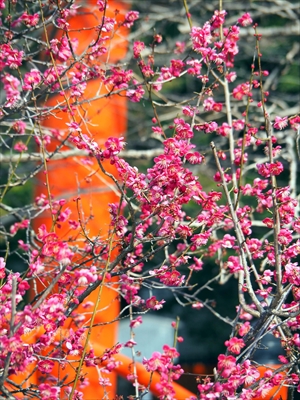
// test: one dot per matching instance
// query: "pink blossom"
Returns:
(267, 169)
(194, 158)
(224, 129)
(52, 75)
(61, 48)
(107, 24)
(115, 145)
(189, 111)
(172, 278)
(276, 168)
(180, 47)
(235, 345)
(19, 225)
(11, 87)
(136, 322)
(176, 67)
(207, 127)
(245, 20)
(233, 264)
(283, 359)
(19, 127)
(201, 37)
(228, 241)
(238, 124)
(85, 276)
(20, 146)
(119, 78)
(280, 123)
(48, 392)
(295, 123)
(130, 17)
(138, 47)
(154, 363)
(153, 304)
(296, 340)
(74, 224)
(195, 67)
(226, 365)
(130, 343)
(198, 305)
(292, 274)
(208, 104)
(230, 76)
(2, 268)
(199, 240)
(296, 225)
(31, 79)
(147, 71)
(158, 38)
(135, 95)
(29, 20)
(264, 293)
(285, 236)
(62, 23)
(244, 328)
(102, 4)
(183, 129)
(241, 90)
(10, 57)
(45, 366)
(218, 18)
(197, 266)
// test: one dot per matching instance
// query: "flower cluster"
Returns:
(190, 208)
(164, 364)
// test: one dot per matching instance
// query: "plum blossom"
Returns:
(10, 57)
(11, 87)
(245, 20)
(61, 48)
(153, 304)
(32, 79)
(235, 345)
(45, 366)
(136, 322)
(48, 392)
(241, 91)
(138, 47)
(194, 158)
(20, 146)
(201, 37)
(130, 17)
(280, 123)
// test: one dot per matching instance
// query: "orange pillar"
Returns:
(68, 178)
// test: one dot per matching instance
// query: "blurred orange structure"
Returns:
(70, 178)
